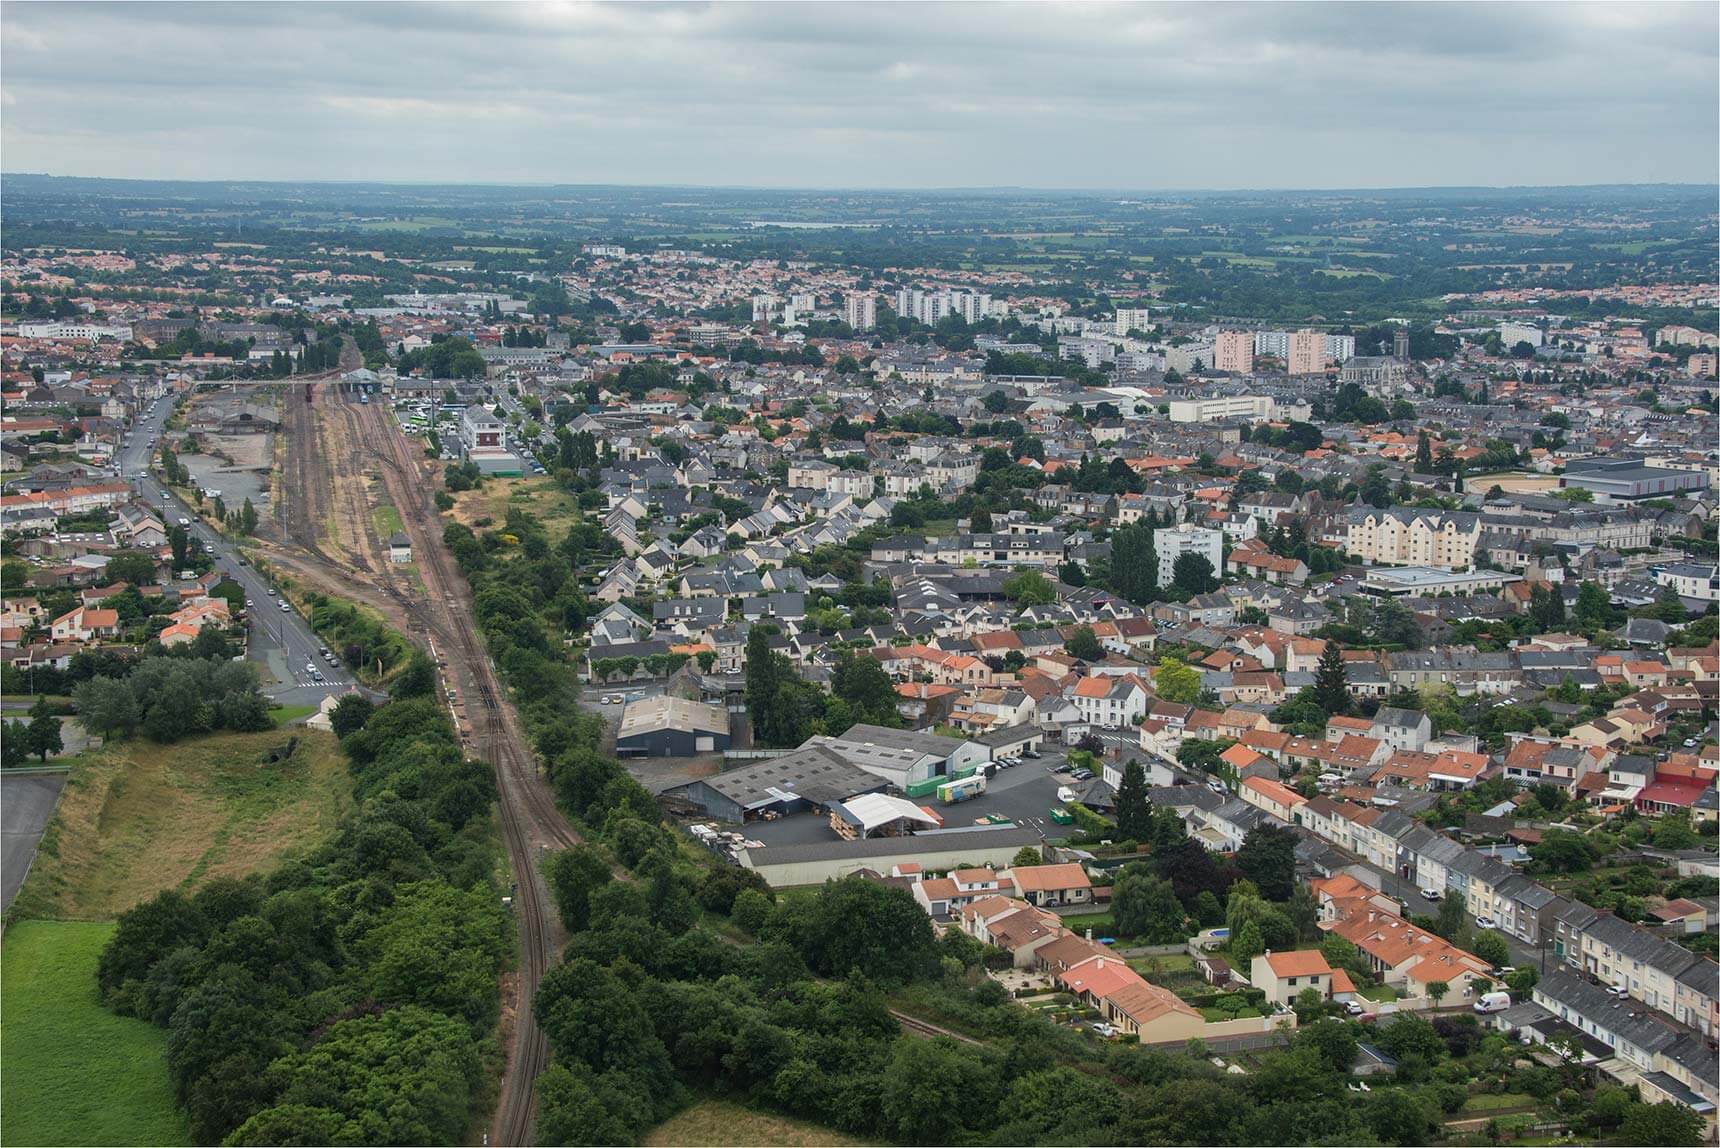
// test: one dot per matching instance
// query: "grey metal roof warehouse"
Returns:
(814, 774)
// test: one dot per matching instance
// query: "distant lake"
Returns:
(803, 225)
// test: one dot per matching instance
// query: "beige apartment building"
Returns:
(1233, 351)
(1403, 536)
(1307, 352)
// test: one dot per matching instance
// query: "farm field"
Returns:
(137, 818)
(75, 1072)
(721, 1123)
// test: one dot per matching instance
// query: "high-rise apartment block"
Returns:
(1307, 352)
(1132, 319)
(930, 306)
(1233, 351)
(860, 310)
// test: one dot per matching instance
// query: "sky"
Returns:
(905, 95)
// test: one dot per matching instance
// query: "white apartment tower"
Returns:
(860, 310)
(1172, 542)
(1132, 319)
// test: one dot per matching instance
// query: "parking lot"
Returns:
(1025, 794)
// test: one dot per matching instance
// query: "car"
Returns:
(1485, 923)
(271, 591)
(1034, 754)
(286, 609)
(249, 603)
(310, 667)
(1689, 743)
(1503, 971)
(1062, 767)
(1082, 775)
(1104, 1029)
(1354, 1008)
(1619, 991)
(316, 675)
(1431, 894)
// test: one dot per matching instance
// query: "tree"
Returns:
(107, 707)
(1491, 947)
(1332, 1039)
(1268, 858)
(1193, 573)
(350, 714)
(1436, 991)
(862, 683)
(1398, 1116)
(1449, 922)
(1146, 907)
(1084, 644)
(418, 679)
(859, 925)
(1562, 851)
(1661, 1124)
(1026, 857)
(1594, 609)
(44, 731)
(1423, 454)
(1331, 683)
(572, 875)
(247, 518)
(14, 744)
(1029, 588)
(127, 566)
(1176, 682)
(1134, 815)
(1134, 564)
(1246, 944)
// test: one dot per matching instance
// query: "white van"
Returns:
(1493, 1002)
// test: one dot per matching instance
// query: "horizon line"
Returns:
(901, 190)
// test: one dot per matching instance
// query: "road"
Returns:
(27, 801)
(1405, 890)
(281, 640)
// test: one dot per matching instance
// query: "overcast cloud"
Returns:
(867, 95)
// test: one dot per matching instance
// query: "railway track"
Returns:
(531, 823)
(914, 1026)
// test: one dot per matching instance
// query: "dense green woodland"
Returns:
(350, 997)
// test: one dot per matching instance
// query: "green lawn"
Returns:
(1379, 992)
(76, 1073)
(1494, 1101)
(284, 714)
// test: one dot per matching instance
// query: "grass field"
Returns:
(76, 1073)
(137, 818)
(722, 1123)
(551, 505)
(387, 521)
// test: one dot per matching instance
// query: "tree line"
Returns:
(349, 997)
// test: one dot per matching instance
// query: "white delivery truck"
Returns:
(1493, 1002)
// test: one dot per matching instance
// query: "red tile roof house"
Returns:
(1047, 886)
(1282, 976)
(82, 623)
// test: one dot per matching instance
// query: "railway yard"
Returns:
(344, 460)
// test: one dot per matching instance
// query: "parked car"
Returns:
(1104, 1029)
(1485, 923)
(1431, 894)
(1082, 774)
(1354, 1008)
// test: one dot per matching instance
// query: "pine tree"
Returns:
(1423, 454)
(1331, 683)
(1134, 815)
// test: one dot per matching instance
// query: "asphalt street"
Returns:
(1405, 890)
(281, 641)
(26, 802)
